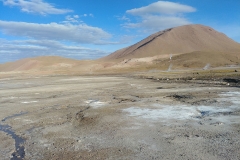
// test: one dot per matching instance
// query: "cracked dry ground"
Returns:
(117, 118)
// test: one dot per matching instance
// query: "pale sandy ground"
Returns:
(74, 117)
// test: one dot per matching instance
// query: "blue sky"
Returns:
(89, 29)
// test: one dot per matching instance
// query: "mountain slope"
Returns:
(179, 40)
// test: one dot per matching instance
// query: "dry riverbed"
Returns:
(73, 117)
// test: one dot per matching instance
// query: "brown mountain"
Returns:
(179, 40)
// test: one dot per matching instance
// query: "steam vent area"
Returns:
(174, 95)
(119, 117)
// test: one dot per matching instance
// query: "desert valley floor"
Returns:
(118, 117)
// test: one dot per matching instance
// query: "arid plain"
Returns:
(119, 117)
(140, 102)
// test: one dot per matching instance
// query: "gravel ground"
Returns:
(74, 117)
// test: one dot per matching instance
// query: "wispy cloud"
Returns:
(72, 19)
(16, 49)
(76, 18)
(157, 16)
(35, 6)
(79, 33)
(66, 39)
(123, 18)
(163, 7)
(62, 39)
(154, 23)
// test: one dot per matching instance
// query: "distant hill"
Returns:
(50, 65)
(37, 63)
(184, 47)
(179, 40)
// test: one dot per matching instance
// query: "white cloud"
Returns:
(158, 16)
(80, 33)
(35, 6)
(164, 7)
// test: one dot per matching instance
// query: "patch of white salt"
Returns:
(164, 113)
(29, 102)
(233, 97)
(182, 112)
